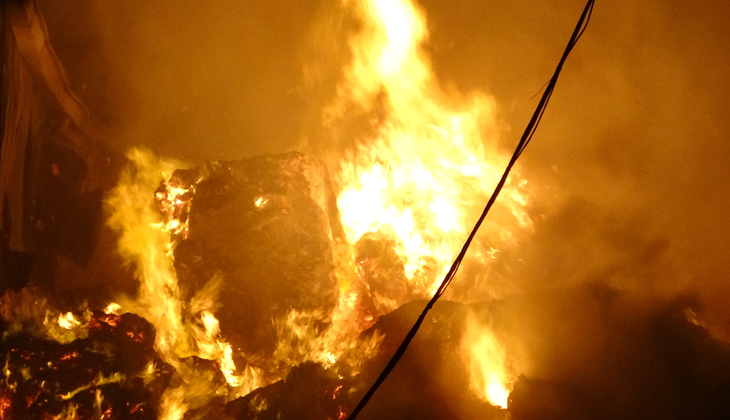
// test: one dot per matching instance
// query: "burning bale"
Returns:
(430, 383)
(268, 225)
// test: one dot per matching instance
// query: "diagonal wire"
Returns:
(524, 141)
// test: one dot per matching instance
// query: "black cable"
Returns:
(524, 141)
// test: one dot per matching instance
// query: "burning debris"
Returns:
(269, 225)
(113, 372)
(432, 383)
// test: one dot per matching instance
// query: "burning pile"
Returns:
(265, 295)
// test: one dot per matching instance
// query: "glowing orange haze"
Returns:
(427, 172)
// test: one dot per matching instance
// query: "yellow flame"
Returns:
(145, 242)
(142, 243)
(301, 341)
(430, 168)
(65, 327)
(68, 321)
(490, 378)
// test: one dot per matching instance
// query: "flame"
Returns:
(261, 202)
(113, 308)
(145, 242)
(420, 180)
(301, 340)
(68, 321)
(490, 378)
(433, 162)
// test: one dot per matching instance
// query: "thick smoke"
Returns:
(629, 168)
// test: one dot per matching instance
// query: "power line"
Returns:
(524, 141)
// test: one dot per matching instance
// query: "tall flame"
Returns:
(430, 167)
(490, 378)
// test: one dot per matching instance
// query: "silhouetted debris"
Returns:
(381, 269)
(308, 392)
(661, 365)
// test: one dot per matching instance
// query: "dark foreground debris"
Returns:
(101, 376)
(430, 383)
(657, 365)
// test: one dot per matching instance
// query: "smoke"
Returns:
(193, 80)
(629, 168)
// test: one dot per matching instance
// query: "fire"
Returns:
(486, 359)
(184, 329)
(433, 162)
(300, 340)
(145, 242)
(420, 182)
(68, 321)
(112, 308)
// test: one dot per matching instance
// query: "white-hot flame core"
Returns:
(112, 308)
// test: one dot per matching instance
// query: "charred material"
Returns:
(381, 269)
(100, 376)
(268, 225)
(309, 392)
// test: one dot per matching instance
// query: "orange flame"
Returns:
(424, 176)
(145, 242)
